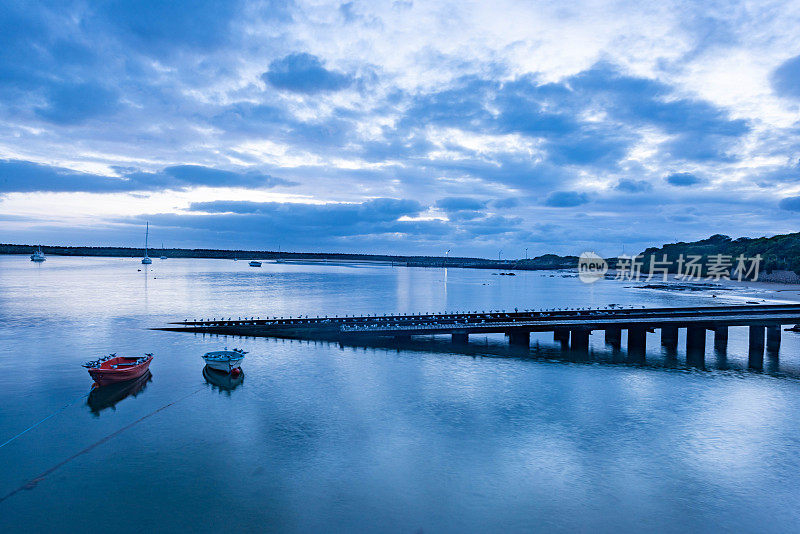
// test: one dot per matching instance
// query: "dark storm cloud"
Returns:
(381, 219)
(75, 103)
(554, 113)
(786, 78)
(627, 185)
(375, 210)
(303, 222)
(185, 82)
(305, 73)
(162, 26)
(451, 204)
(505, 203)
(683, 179)
(566, 199)
(24, 176)
(790, 203)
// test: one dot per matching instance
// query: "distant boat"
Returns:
(255, 263)
(113, 368)
(228, 361)
(146, 260)
(162, 252)
(38, 255)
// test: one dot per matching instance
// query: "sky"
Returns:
(483, 128)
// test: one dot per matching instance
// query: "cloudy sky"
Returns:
(399, 127)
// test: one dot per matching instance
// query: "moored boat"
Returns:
(255, 263)
(38, 255)
(146, 260)
(226, 360)
(112, 368)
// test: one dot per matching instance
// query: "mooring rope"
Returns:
(33, 482)
(45, 419)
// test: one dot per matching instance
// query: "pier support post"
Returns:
(580, 339)
(721, 338)
(519, 338)
(773, 338)
(614, 336)
(696, 346)
(669, 336)
(637, 343)
(756, 350)
(562, 335)
(460, 338)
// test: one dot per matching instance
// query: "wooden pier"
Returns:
(571, 327)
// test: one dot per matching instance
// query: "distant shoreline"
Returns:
(546, 262)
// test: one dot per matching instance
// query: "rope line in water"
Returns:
(33, 482)
(45, 419)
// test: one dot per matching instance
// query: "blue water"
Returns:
(320, 437)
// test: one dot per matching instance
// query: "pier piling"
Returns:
(637, 343)
(669, 336)
(696, 346)
(562, 335)
(580, 339)
(460, 338)
(773, 338)
(519, 338)
(614, 337)
(721, 338)
(756, 347)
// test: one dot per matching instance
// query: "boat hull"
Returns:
(224, 366)
(223, 360)
(107, 374)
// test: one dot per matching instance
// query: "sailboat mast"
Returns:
(146, 235)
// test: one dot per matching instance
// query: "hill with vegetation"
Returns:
(778, 253)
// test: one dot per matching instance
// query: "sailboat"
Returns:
(38, 255)
(146, 260)
(162, 252)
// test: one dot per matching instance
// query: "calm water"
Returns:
(321, 438)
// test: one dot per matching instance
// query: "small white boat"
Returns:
(224, 360)
(255, 263)
(38, 255)
(146, 260)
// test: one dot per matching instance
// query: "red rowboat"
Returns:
(113, 368)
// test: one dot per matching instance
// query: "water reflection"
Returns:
(222, 381)
(103, 397)
(663, 357)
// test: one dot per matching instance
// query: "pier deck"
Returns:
(711, 317)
